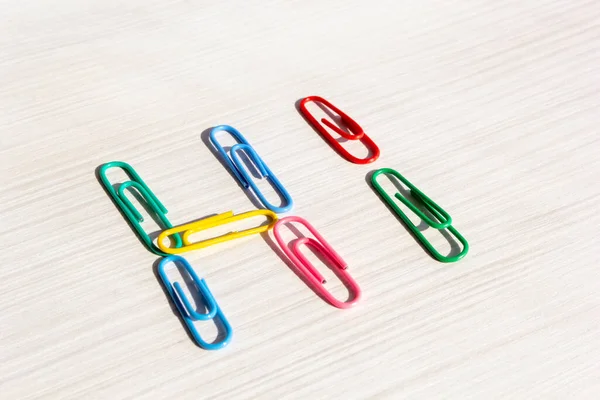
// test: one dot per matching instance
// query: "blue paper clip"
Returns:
(187, 311)
(237, 166)
(127, 207)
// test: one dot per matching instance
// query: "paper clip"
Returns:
(356, 132)
(313, 276)
(211, 222)
(127, 207)
(243, 176)
(187, 311)
(444, 221)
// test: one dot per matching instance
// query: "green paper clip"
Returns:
(128, 209)
(444, 221)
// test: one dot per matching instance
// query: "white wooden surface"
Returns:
(491, 108)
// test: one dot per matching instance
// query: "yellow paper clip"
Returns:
(211, 222)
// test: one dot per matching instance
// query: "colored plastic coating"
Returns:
(211, 222)
(187, 311)
(239, 170)
(444, 221)
(127, 207)
(313, 276)
(356, 132)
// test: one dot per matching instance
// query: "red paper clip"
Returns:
(313, 276)
(356, 132)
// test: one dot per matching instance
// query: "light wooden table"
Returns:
(489, 107)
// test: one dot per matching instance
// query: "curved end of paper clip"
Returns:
(253, 155)
(160, 243)
(445, 220)
(230, 163)
(226, 128)
(227, 334)
(376, 153)
(269, 214)
(353, 288)
(356, 296)
(115, 164)
(211, 305)
(451, 259)
(279, 210)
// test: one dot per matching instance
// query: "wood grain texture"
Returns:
(491, 108)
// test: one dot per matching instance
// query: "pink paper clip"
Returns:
(313, 276)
